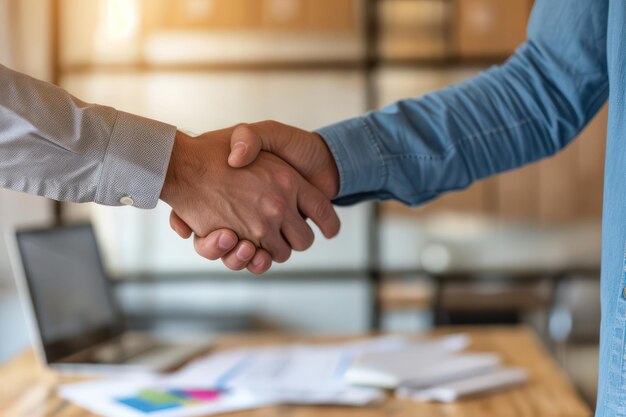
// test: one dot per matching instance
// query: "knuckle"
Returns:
(323, 210)
(285, 179)
(233, 264)
(276, 208)
(259, 269)
(269, 123)
(242, 130)
(259, 231)
(204, 251)
(241, 125)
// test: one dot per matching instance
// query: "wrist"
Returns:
(330, 172)
(173, 177)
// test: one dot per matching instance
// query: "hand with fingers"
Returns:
(247, 215)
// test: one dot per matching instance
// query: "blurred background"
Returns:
(520, 248)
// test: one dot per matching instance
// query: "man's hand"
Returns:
(305, 151)
(262, 203)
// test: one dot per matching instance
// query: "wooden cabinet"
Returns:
(200, 14)
(489, 27)
(272, 15)
(435, 29)
(334, 16)
(570, 185)
(283, 14)
(412, 29)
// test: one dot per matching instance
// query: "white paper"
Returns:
(102, 397)
(251, 378)
(303, 374)
(496, 380)
(420, 364)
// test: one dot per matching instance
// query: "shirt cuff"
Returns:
(358, 154)
(135, 162)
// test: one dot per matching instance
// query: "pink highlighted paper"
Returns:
(203, 395)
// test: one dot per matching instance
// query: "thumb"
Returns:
(245, 145)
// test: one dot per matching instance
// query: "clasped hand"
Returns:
(248, 207)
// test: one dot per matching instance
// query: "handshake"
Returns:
(245, 192)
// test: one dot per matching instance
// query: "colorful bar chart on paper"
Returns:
(152, 400)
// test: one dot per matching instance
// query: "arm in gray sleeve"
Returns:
(54, 145)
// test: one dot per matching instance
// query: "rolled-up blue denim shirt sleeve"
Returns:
(528, 108)
(416, 149)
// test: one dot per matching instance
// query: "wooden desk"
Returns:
(27, 390)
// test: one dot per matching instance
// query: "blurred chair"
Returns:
(464, 298)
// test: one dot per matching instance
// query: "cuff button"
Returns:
(127, 200)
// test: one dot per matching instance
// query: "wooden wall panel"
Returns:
(516, 194)
(591, 151)
(471, 200)
(214, 14)
(310, 15)
(571, 182)
(284, 14)
(558, 185)
(275, 15)
(333, 15)
(490, 27)
(413, 29)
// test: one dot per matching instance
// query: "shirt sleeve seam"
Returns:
(488, 133)
(460, 141)
(421, 157)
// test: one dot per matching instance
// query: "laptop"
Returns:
(76, 322)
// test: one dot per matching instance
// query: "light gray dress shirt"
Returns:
(54, 145)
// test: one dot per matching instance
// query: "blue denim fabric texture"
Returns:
(526, 109)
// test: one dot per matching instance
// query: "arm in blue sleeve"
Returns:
(524, 110)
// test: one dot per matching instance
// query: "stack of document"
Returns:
(301, 374)
(237, 380)
(353, 374)
(435, 371)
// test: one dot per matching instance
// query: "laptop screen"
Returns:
(69, 289)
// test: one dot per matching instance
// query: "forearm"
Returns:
(54, 145)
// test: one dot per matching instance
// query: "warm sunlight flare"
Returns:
(120, 19)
